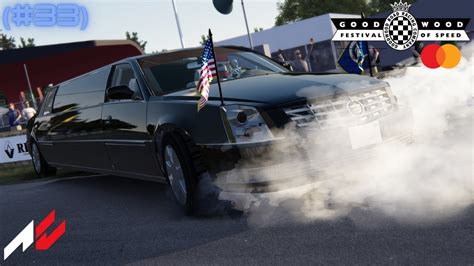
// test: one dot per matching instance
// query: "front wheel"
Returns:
(41, 167)
(180, 172)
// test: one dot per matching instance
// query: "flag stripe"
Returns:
(207, 73)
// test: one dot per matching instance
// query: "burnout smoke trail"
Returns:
(429, 180)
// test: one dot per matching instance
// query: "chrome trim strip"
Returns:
(104, 140)
(100, 170)
(331, 104)
(241, 144)
(125, 144)
(371, 95)
(299, 117)
(377, 102)
(123, 101)
(371, 111)
(48, 143)
(324, 114)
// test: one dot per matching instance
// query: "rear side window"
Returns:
(95, 81)
(85, 91)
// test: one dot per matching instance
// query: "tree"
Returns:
(378, 6)
(134, 37)
(30, 42)
(7, 42)
(293, 10)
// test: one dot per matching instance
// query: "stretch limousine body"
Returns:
(138, 118)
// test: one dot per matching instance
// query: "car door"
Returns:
(128, 144)
(75, 127)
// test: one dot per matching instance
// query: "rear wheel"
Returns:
(180, 172)
(41, 167)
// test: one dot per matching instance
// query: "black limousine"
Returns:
(138, 118)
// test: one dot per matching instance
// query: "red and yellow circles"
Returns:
(434, 56)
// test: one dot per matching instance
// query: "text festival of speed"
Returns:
(371, 24)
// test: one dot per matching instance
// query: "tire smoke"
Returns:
(430, 180)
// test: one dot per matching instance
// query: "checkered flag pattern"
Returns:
(400, 30)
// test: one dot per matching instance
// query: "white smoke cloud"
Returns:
(429, 180)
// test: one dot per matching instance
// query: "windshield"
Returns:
(170, 72)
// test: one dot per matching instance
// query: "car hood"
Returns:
(285, 88)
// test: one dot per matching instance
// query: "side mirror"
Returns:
(121, 92)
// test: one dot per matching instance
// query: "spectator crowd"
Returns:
(17, 118)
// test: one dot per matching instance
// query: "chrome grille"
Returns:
(335, 112)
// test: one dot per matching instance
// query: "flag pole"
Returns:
(368, 50)
(217, 68)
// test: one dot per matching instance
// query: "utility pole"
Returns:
(247, 25)
(181, 38)
(29, 86)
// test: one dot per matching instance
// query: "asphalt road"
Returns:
(113, 220)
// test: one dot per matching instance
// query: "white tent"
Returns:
(293, 34)
(297, 35)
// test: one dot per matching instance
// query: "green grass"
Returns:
(16, 173)
(23, 172)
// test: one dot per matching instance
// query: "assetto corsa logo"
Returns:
(446, 56)
(43, 241)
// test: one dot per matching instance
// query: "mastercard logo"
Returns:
(434, 56)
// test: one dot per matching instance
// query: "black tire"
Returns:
(41, 167)
(187, 165)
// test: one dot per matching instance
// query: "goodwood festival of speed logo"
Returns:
(400, 30)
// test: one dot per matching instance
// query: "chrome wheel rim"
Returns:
(175, 175)
(36, 158)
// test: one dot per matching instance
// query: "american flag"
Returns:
(207, 73)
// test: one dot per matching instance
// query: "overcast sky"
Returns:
(153, 20)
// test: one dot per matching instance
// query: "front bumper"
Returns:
(244, 172)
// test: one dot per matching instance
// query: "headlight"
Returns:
(246, 125)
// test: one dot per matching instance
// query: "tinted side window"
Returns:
(82, 92)
(47, 106)
(95, 81)
(123, 75)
